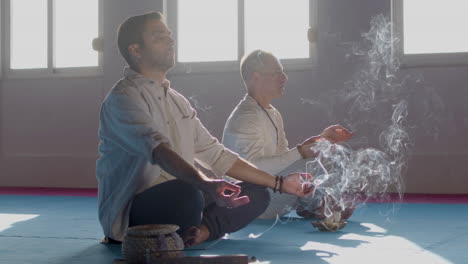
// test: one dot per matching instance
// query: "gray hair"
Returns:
(253, 62)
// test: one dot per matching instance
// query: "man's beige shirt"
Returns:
(136, 116)
(258, 136)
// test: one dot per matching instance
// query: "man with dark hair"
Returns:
(150, 138)
(255, 130)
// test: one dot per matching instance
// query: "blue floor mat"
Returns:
(62, 229)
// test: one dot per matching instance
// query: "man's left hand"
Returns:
(227, 194)
(336, 133)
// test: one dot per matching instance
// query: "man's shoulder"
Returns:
(245, 112)
(177, 95)
(246, 107)
(123, 88)
(124, 85)
(179, 98)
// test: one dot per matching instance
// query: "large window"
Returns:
(51, 37)
(431, 32)
(214, 34)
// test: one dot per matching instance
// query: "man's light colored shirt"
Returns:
(136, 116)
(257, 134)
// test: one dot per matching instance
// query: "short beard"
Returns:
(163, 65)
(163, 68)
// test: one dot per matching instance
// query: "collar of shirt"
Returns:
(252, 101)
(140, 80)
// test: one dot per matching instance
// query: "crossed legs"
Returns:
(197, 215)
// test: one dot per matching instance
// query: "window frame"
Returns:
(419, 60)
(50, 71)
(170, 9)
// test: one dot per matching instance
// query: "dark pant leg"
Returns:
(221, 220)
(171, 202)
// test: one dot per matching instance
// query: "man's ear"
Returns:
(134, 50)
(255, 76)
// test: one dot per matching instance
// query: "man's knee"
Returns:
(187, 206)
(172, 202)
(188, 193)
(259, 197)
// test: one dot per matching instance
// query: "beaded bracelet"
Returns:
(278, 184)
(280, 189)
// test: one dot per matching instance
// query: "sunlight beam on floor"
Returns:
(7, 220)
(363, 249)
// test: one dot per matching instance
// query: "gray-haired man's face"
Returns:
(271, 77)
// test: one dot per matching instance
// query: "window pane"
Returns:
(76, 25)
(28, 32)
(434, 26)
(277, 26)
(207, 30)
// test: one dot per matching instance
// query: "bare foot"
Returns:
(347, 213)
(317, 213)
(332, 223)
(329, 226)
(308, 214)
(193, 236)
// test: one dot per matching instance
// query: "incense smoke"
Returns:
(373, 96)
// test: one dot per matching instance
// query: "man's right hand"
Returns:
(226, 194)
(305, 148)
(299, 184)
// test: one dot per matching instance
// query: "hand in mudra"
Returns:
(226, 194)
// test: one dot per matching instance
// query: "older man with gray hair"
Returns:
(255, 130)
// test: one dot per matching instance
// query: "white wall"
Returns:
(48, 127)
